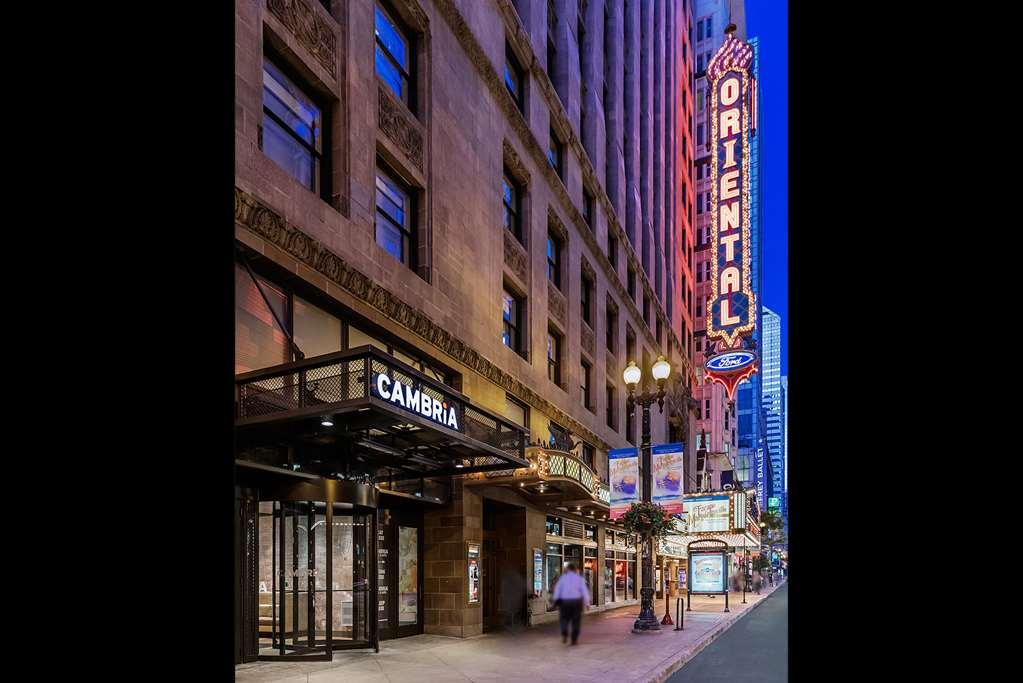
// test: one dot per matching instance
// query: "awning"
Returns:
(366, 405)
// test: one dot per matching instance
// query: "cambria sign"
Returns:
(732, 306)
(444, 411)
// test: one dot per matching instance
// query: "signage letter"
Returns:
(730, 90)
(381, 381)
(729, 242)
(730, 185)
(726, 316)
(729, 216)
(729, 122)
(729, 153)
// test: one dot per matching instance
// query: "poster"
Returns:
(707, 513)
(681, 578)
(473, 556)
(537, 571)
(666, 462)
(624, 475)
(408, 575)
(709, 573)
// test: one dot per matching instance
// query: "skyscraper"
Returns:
(774, 399)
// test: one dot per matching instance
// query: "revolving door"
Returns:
(314, 583)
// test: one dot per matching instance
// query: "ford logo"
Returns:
(731, 361)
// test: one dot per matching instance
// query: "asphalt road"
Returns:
(754, 649)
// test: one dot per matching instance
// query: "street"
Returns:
(755, 649)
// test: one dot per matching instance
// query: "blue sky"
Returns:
(768, 20)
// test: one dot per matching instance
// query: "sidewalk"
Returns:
(607, 650)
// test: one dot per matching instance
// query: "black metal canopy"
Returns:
(365, 409)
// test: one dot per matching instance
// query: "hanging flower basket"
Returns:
(649, 520)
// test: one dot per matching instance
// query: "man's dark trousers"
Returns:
(571, 611)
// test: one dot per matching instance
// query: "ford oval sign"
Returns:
(732, 361)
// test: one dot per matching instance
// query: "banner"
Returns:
(666, 462)
(624, 475)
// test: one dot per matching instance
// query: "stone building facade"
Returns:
(584, 108)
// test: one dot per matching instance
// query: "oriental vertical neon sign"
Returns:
(731, 307)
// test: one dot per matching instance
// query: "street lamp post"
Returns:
(647, 621)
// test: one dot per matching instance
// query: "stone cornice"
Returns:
(267, 223)
(517, 34)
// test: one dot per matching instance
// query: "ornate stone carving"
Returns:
(555, 223)
(515, 256)
(310, 29)
(588, 270)
(555, 302)
(514, 163)
(399, 125)
(587, 339)
(262, 220)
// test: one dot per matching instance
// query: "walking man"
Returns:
(571, 595)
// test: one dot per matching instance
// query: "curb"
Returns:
(687, 655)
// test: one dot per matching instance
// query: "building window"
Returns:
(516, 411)
(612, 249)
(393, 56)
(706, 407)
(394, 219)
(631, 283)
(588, 457)
(699, 30)
(630, 344)
(646, 309)
(699, 272)
(552, 26)
(699, 64)
(611, 326)
(554, 356)
(556, 153)
(588, 207)
(699, 100)
(511, 195)
(612, 402)
(514, 79)
(512, 316)
(292, 131)
(584, 385)
(699, 205)
(260, 341)
(699, 134)
(660, 331)
(710, 31)
(586, 299)
(554, 259)
(699, 310)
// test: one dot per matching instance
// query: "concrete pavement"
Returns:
(607, 650)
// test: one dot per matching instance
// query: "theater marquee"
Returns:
(732, 306)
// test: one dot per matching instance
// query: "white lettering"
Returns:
(729, 281)
(729, 90)
(412, 398)
(730, 152)
(729, 242)
(728, 216)
(437, 409)
(398, 396)
(729, 185)
(452, 420)
(728, 123)
(382, 381)
(726, 313)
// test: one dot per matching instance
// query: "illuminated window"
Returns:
(511, 196)
(511, 321)
(554, 356)
(395, 217)
(556, 153)
(393, 55)
(554, 259)
(514, 79)
(292, 130)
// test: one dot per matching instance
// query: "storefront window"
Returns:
(316, 331)
(590, 531)
(591, 572)
(408, 575)
(259, 341)
(633, 583)
(620, 579)
(609, 576)
(554, 554)
(554, 526)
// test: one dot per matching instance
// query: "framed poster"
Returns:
(623, 464)
(537, 571)
(666, 467)
(472, 552)
(681, 578)
(710, 572)
(708, 513)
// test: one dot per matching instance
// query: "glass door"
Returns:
(313, 589)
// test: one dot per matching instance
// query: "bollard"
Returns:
(678, 613)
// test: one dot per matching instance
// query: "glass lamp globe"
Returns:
(661, 369)
(632, 374)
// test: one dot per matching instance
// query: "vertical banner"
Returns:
(624, 466)
(666, 470)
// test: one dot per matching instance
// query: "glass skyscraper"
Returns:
(773, 399)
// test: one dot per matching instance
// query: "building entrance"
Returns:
(503, 565)
(313, 578)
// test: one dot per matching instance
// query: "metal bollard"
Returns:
(678, 613)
